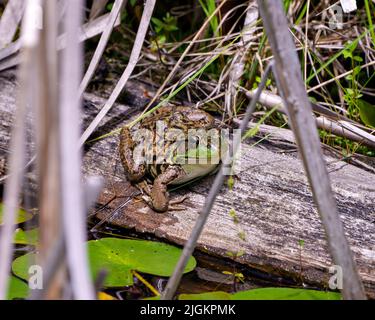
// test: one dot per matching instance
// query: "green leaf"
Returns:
(352, 45)
(356, 71)
(22, 215)
(367, 113)
(209, 7)
(313, 99)
(265, 294)
(350, 91)
(157, 22)
(347, 54)
(285, 294)
(230, 182)
(26, 237)
(119, 257)
(17, 289)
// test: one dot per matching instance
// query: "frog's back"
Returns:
(182, 117)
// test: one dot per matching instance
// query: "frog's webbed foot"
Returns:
(159, 193)
(145, 192)
(172, 204)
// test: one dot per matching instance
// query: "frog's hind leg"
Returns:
(134, 171)
(159, 193)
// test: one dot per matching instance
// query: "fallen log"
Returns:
(259, 223)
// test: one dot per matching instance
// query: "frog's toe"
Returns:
(176, 208)
(178, 200)
(173, 204)
(147, 199)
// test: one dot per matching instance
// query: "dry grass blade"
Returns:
(10, 20)
(10, 62)
(47, 131)
(72, 195)
(183, 55)
(12, 48)
(9, 57)
(137, 47)
(97, 8)
(238, 63)
(17, 156)
(340, 128)
(113, 16)
(333, 79)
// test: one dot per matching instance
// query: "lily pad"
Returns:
(265, 294)
(17, 289)
(26, 237)
(285, 294)
(22, 215)
(119, 257)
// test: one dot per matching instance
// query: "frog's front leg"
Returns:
(159, 193)
(134, 171)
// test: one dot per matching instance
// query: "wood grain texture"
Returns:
(271, 197)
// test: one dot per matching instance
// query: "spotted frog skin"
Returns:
(164, 173)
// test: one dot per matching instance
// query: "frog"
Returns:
(178, 160)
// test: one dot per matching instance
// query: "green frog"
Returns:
(180, 144)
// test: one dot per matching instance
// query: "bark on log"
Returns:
(271, 198)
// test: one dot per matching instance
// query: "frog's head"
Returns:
(197, 162)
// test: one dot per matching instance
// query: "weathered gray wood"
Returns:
(271, 197)
(275, 210)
